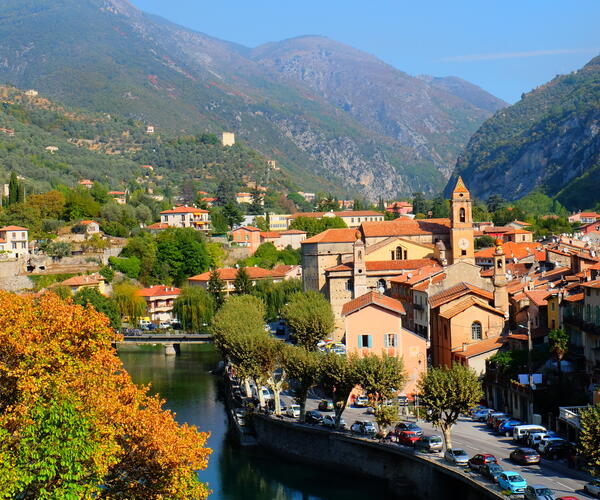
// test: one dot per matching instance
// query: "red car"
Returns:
(409, 438)
(478, 461)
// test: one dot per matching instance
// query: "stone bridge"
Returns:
(171, 341)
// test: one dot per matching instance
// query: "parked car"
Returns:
(266, 393)
(329, 421)
(408, 438)
(559, 449)
(481, 415)
(490, 418)
(593, 488)
(567, 498)
(361, 401)
(545, 441)
(165, 325)
(429, 444)
(364, 428)
(512, 481)
(478, 461)
(539, 492)
(534, 438)
(497, 420)
(507, 426)
(491, 471)
(525, 456)
(408, 426)
(325, 405)
(293, 411)
(313, 417)
(456, 456)
(521, 432)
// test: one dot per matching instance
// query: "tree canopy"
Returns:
(310, 317)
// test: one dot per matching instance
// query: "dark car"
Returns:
(325, 405)
(558, 449)
(313, 417)
(491, 471)
(430, 444)
(478, 461)
(408, 426)
(525, 456)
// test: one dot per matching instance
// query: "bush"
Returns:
(58, 249)
(115, 229)
(108, 273)
(130, 266)
(79, 228)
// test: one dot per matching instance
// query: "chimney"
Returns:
(464, 347)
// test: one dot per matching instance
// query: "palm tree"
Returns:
(559, 345)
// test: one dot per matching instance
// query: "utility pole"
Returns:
(529, 373)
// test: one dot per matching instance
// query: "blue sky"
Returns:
(507, 47)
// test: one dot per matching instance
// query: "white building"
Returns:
(14, 242)
(186, 217)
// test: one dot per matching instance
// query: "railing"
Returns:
(570, 415)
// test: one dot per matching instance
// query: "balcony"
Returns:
(570, 415)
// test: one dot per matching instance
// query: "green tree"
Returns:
(129, 266)
(129, 302)
(495, 202)
(232, 213)
(261, 223)
(194, 308)
(589, 437)
(242, 283)
(485, 241)
(256, 207)
(276, 295)
(420, 205)
(382, 377)
(304, 370)
(310, 318)
(105, 305)
(13, 189)
(216, 288)
(314, 226)
(339, 376)
(558, 341)
(58, 249)
(440, 207)
(445, 393)
(218, 221)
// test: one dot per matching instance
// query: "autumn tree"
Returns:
(194, 308)
(382, 377)
(339, 375)
(445, 393)
(310, 317)
(589, 437)
(72, 422)
(304, 370)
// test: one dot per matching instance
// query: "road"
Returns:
(475, 438)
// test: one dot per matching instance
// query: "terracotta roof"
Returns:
(345, 235)
(591, 284)
(252, 229)
(456, 292)
(460, 186)
(511, 250)
(521, 223)
(91, 279)
(283, 269)
(372, 298)
(85, 182)
(421, 287)
(481, 347)
(86, 222)
(158, 225)
(293, 231)
(405, 227)
(465, 304)
(270, 234)
(229, 274)
(117, 192)
(13, 228)
(575, 297)
(184, 210)
(387, 265)
(538, 297)
(158, 291)
(420, 274)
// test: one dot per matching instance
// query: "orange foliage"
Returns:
(50, 346)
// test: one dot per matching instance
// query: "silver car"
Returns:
(539, 492)
(456, 456)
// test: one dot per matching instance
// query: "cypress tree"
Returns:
(13, 189)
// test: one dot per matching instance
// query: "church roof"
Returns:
(456, 292)
(460, 186)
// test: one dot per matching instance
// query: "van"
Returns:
(521, 432)
(266, 394)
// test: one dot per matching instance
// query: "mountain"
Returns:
(365, 128)
(549, 140)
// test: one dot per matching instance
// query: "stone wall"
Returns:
(406, 473)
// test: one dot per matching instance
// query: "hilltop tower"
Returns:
(461, 224)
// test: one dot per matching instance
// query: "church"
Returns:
(426, 264)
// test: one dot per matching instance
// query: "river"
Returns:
(235, 473)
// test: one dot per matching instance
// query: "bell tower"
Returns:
(359, 271)
(499, 279)
(461, 224)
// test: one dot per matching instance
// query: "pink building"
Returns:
(399, 208)
(373, 324)
(159, 301)
(247, 236)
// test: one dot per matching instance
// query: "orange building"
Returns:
(247, 236)
(373, 324)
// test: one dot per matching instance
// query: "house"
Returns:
(288, 272)
(86, 183)
(310, 197)
(270, 237)
(518, 224)
(150, 129)
(119, 196)
(77, 283)
(228, 275)
(590, 227)
(292, 238)
(51, 149)
(247, 237)
(196, 218)
(523, 252)
(148, 168)
(352, 218)
(227, 139)
(584, 217)
(91, 226)
(14, 242)
(157, 227)
(159, 301)
(399, 208)
(209, 200)
(373, 325)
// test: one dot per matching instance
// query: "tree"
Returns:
(485, 241)
(13, 189)
(218, 221)
(339, 376)
(73, 424)
(130, 266)
(232, 214)
(216, 288)
(256, 207)
(382, 377)
(261, 223)
(380, 205)
(304, 370)
(310, 318)
(225, 193)
(420, 205)
(559, 345)
(129, 302)
(276, 295)
(440, 207)
(314, 226)
(242, 283)
(495, 202)
(58, 249)
(194, 308)
(445, 393)
(589, 437)
(105, 305)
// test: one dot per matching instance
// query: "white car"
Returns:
(456, 456)
(361, 401)
(164, 325)
(329, 421)
(293, 411)
(593, 488)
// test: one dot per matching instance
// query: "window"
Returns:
(553, 324)
(349, 286)
(381, 286)
(23, 244)
(390, 340)
(398, 253)
(499, 264)
(463, 252)
(462, 215)
(553, 305)
(14, 245)
(476, 330)
(364, 341)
